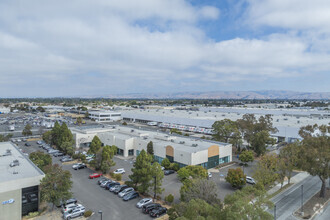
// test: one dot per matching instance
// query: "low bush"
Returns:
(88, 213)
(118, 177)
(169, 199)
(32, 214)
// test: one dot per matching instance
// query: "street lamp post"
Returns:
(100, 212)
(275, 212)
(155, 187)
(302, 200)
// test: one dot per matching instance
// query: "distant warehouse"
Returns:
(19, 183)
(104, 116)
(182, 150)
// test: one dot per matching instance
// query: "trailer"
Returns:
(152, 123)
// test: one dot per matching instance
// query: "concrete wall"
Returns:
(199, 157)
(226, 151)
(11, 211)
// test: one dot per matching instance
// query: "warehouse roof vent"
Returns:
(181, 142)
(172, 140)
(194, 145)
(8, 153)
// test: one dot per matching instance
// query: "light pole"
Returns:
(100, 212)
(302, 200)
(155, 187)
(275, 212)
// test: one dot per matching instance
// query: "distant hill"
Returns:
(268, 94)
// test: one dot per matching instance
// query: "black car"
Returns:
(120, 189)
(27, 144)
(168, 172)
(131, 195)
(111, 184)
(79, 166)
(101, 180)
(147, 208)
(158, 212)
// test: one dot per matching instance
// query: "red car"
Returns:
(95, 175)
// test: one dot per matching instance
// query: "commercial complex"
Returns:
(105, 116)
(179, 149)
(19, 183)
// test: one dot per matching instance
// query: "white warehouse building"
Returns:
(105, 116)
(182, 150)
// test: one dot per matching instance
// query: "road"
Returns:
(289, 201)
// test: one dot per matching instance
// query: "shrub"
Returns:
(117, 177)
(112, 174)
(88, 213)
(124, 123)
(169, 199)
(175, 166)
(76, 156)
(32, 214)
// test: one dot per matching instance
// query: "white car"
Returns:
(78, 211)
(144, 201)
(125, 191)
(250, 180)
(119, 171)
(209, 175)
(68, 207)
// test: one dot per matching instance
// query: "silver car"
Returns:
(76, 212)
(144, 201)
(125, 191)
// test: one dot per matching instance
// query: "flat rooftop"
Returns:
(26, 168)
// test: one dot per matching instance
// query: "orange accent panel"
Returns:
(170, 151)
(213, 151)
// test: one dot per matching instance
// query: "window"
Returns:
(130, 152)
(158, 159)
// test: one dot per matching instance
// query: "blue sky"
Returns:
(84, 47)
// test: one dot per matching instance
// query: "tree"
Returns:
(166, 163)
(107, 154)
(65, 135)
(236, 177)
(169, 199)
(79, 121)
(5, 138)
(246, 156)
(201, 189)
(67, 148)
(246, 125)
(247, 203)
(56, 134)
(141, 172)
(95, 145)
(27, 130)
(226, 130)
(259, 142)
(266, 171)
(289, 155)
(150, 148)
(157, 179)
(41, 160)
(192, 171)
(47, 137)
(40, 109)
(315, 158)
(56, 185)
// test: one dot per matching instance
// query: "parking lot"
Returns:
(92, 196)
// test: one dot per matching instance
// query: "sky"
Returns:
(102, 47)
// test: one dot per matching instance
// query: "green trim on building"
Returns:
(213, 161)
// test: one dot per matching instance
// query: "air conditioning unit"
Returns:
(181, 142)
(132, 130)
(172, 140)
(194, 145)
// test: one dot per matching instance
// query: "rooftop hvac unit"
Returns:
(132, 130)
(8, 153)
(145, 137)
(172, 140)
(181, 142)
(194, 145)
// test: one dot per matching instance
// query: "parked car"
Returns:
(131, 195)
(101, 180)
(143, 202)
(39, 142)
(147, 208)
(66, 159)
(79, 166)
(155, 213)
(104, 183)
(78, 211)
(14, 163)
(53, 151)
(123, 187)
(168, 172)
(71, 207)
(113, 188)
(209, 175)
(58, 154)
(119, 171)
(111, 184)
(27, 144)
(250, 180)
(69, 201)
(125, 191)
(68, 207)
(95, 175)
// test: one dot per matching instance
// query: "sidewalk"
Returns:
(296, 179)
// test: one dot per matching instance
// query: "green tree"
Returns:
(192, 172)
(266, 170)
(67, 148)
(236, 177)
(150, 148)
(169, 199)
(141, 172)
(107, 154)
(40, 109)
(79, 121)
(247, 203)
(27, 130)
(315, 158)
(56, 185)
(166, 163)
(226, 130)
(5, 138)
(246, 126)
(157, 179)
(65, 135)
(259, 142)
(56, 134)
(95, 145)
(41, 159)
(201, 189)
(246, 156)
(47, 137)
(289, 155)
